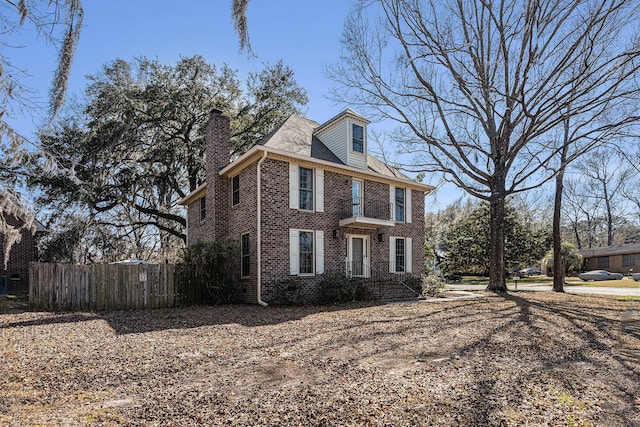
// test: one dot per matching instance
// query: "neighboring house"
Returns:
(20, 255)
(305, 200)
(617, 258)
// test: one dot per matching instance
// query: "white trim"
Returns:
(318, 247)
(408, 249)
(407, 205)
(294, 182)
(392, 254)
(319, 190)
(294, 248)
(366, 253)
(259, 230)
(392, 201)
(326, 165)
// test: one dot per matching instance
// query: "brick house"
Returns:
(617, 258)
(20, 255)
(305, 200)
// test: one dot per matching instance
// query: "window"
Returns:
(244, 243)
(358, 138)
(603, 262)
(235, 190)
(400, 256)
(306, 252)
(629, 260)
(203, 208)
(399, 205)
(306, 189)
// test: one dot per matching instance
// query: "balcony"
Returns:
(359, 212)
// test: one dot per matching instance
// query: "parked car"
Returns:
(636, 277)
(132, 261)
(530, 272)
(452, 277)
(599, 275)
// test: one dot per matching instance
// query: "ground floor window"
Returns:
(603, 262)
(244, 249)
(306, 251)
(400, 259)
(629, 260)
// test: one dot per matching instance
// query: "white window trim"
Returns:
(294, 188)
(364, 140)
(408, 254)
(408, 213)
(294, 252)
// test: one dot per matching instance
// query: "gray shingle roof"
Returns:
(295, 135)
(629, 248)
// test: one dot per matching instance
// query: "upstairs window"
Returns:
(203, 208)
(306, 189)
(399, 205)
(235, 190)
(357, 138)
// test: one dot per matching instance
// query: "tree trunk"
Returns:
(497, 271)
(558, 261)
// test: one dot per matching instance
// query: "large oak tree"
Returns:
(137, 146)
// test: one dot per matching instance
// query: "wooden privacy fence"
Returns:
(102, 286)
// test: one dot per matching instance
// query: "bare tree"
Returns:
(606, 179)
(483, 90)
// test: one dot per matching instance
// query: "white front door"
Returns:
(358, 260)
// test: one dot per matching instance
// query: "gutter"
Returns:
(259, 228)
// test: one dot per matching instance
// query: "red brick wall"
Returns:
(20, 256)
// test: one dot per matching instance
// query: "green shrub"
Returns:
(286, 290)
(432, 284)
(415, 283)
(209, 272)
(337, 287)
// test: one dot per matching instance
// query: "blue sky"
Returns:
(305, 35)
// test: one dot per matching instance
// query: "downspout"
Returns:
(259, 228)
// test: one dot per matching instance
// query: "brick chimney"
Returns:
(218, 151)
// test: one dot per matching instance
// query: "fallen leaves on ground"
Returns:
(524, 359)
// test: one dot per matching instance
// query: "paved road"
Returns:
(568, 289)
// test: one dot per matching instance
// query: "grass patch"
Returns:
(624, 283)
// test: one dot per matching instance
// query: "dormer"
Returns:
(346, 136)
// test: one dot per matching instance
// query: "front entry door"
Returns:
(358, 262)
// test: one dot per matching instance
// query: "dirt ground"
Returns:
(524, 359)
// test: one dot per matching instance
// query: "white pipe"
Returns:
(259, 232)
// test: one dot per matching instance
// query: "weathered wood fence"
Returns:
(102, 286)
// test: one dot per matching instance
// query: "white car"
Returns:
(636, 277)
(599, 275)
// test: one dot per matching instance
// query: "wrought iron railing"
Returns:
(366, 208)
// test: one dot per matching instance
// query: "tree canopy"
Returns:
(467, 241)
(57, 22)
(137, 145)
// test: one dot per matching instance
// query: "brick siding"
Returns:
(21, 254)
(224, 221)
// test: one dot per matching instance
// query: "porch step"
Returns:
(390, 291)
